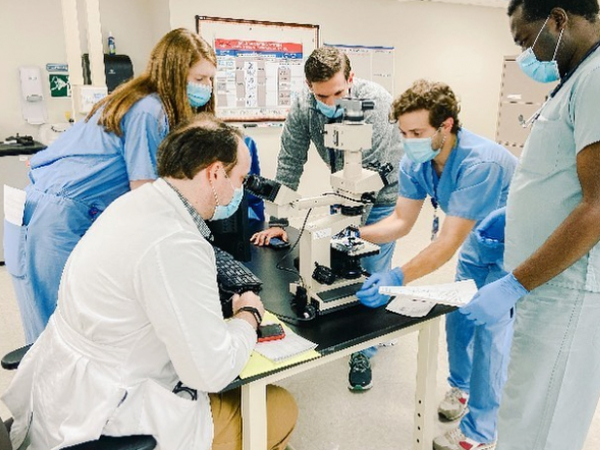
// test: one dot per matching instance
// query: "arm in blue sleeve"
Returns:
(256, 205)
(144, 128)
(478, 192)
(409, 185)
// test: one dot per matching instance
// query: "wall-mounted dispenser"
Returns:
(32, 95)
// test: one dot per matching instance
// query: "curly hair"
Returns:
(534, 10)
(165, 75)
(324, 62)
(436, 98)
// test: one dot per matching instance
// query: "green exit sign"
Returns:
(59, 85)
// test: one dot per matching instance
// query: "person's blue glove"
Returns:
(494, 300)
(369, 292)
(491, 229)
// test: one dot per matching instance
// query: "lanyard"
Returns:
(527, 123)
(572, 71)
(435, 226)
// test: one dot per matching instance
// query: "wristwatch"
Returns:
(254, 311)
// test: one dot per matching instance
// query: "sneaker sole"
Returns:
(446, 418)
(358, 388)
(443, 447)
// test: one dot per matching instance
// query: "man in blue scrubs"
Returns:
(466, 176)
(552, 234)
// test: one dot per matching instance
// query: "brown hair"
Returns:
(324, 62)
(165, 75)
(197, 144)
(436, 98)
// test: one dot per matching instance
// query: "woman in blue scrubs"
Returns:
(467, 176)
(100, 158)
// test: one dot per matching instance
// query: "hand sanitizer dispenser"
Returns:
(32, 96)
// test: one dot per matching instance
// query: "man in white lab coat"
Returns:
(139, 314)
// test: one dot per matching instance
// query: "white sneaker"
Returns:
(454, 405)
(456, 440)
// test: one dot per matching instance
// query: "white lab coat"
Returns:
(138, 310)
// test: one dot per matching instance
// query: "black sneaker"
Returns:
(360, 377)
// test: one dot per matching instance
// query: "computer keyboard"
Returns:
(232, 276)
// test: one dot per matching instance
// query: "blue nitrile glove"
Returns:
(494, 300)
(491, 229)
(369, 292)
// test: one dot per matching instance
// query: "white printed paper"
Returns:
(291, 345)
(14, 205)
(412, 300)
(411, 307)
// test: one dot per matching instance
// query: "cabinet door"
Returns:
(510, 132)
(13, 172)
(518, 87)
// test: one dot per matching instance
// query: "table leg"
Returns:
(254, 416)
(425, 401)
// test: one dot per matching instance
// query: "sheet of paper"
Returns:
(280, 349)
(258, 363)
(457, 294)
(14, 205)
(410, 307)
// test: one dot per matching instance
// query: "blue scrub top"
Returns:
(256, 206)
(474, 182)
(95, 167)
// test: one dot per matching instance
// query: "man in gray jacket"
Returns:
(329, 77)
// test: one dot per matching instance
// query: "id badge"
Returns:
(435, 226)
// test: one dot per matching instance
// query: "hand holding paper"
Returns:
(494, 300)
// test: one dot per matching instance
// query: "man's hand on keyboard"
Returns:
(262, 238)
(248, 298)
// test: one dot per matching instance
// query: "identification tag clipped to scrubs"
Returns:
(435, 226)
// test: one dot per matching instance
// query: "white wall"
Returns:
(458, 44)
(32, 34)
(461, 45)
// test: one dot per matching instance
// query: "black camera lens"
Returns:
(252, 182)
(261, 187)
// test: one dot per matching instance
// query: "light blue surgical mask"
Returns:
(540, 71)
(420, 150)
(331, 112)
(198, 94)
(225, 211)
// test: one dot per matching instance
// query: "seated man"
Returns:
(138, 343)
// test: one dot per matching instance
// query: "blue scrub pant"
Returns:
(381, 262)
(478, 354)
(37, 252)
(554, 374)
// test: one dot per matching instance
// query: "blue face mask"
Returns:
(419, 150)
(540, 71)
(331, 112)
(223, 212)
(198, 94)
